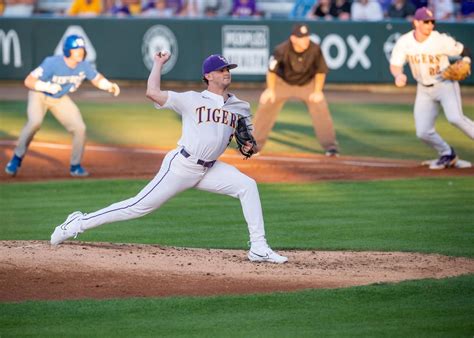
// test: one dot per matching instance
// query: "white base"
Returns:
(460, 164)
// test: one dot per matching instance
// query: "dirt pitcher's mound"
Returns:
(74, 270)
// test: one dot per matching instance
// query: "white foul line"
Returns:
(259, 158)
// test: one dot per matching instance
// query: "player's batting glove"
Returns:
(111, 87)
(47, 87)
(244, 137)
(114, 89)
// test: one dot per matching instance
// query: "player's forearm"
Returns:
(153, 91)
(102, 83)
(33, 83)
(319, 80)
(30, 82)
(271, 80)
(396, 70)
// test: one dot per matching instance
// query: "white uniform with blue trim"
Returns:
(427, 61)
(208, 124)
(54, 69)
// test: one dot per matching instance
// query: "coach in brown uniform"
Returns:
(297, 69)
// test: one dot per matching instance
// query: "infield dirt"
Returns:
(76, 270)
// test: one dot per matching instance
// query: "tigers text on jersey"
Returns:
(54, 69)
(208, 121)
(427, 59)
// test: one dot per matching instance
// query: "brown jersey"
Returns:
(297, 68)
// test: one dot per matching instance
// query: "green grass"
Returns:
(430, 308)
(362, 129)
(425, 215)
(421, 215)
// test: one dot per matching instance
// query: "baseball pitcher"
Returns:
(49, 86)
(427, 52)
(209, 121)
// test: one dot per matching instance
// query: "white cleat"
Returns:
(265, 254)
(70, 228)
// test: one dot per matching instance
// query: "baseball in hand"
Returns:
(400, 80)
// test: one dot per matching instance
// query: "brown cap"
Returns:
(300, 30)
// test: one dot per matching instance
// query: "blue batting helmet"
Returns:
(73, 42)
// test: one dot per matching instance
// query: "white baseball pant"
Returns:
(178, 174)
(448, 94)
(65, 111)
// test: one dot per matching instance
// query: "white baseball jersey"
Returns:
(427, 59)
(208, 122)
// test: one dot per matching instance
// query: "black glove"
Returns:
(243, 135)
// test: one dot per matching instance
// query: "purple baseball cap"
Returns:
(216, 62)
(423, 14)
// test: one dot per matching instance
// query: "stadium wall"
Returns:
(356, 52)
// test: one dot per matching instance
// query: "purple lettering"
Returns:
(215, 115)
(233, 119)
(199, 112)
(225, 113)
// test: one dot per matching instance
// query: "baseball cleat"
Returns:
(265, 254)
(78, 171)
(70, 228)
(12, 166)
(332, 153)
(445, 161)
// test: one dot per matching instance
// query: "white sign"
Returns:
(248, 47)
(389, 44)
(7, 41)
(156, 39)
(351, 50)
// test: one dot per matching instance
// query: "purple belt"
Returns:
(206, 164)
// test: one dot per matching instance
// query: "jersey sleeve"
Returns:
(245, 112)
(248, 116)
(176, 102)
(275, 61)
(321, 66)
(44, 71)
(91, 72)
(450, 46)
(399, 56)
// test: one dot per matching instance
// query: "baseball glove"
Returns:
(243, 135)
(458, 71)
